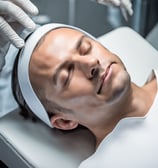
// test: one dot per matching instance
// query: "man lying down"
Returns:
(66, 78)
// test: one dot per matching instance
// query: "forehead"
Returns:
(61, 37)
(57, 42)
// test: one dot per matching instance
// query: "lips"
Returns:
(105, 77)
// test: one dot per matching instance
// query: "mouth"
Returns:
(105, 77)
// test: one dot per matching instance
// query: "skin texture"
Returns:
(79, 74)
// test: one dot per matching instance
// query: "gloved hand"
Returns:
(14, 17)
(125, 5)
(16, 11)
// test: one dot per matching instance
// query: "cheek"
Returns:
(78, 87)
(79, 94)
(120, 73)
(83, 104)
(122, 80)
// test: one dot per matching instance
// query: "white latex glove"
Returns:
(14, 17)
(16, 11)
(125, 6)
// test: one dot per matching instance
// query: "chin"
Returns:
(120, 89)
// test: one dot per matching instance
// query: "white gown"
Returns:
(132, 144)
(7, 101)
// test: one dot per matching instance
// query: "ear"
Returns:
(59, 121)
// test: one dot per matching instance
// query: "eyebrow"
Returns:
(58, 69)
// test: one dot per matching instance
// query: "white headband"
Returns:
(23, 70)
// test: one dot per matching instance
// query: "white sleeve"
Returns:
(7, 101)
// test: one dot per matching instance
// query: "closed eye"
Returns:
(70, 69)
(85, 48)
(62, 74)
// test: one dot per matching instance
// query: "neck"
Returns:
(137, 104)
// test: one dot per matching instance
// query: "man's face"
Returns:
(78, 73)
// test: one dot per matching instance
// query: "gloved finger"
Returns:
(129, 9)
(17, 13)
(7, 30)
(128, 6)
(109, 2)
(124, 13)
(27, 6)
(115, 2)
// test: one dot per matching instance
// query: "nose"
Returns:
(89, 65)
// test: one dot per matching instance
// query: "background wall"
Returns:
(98, 19)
